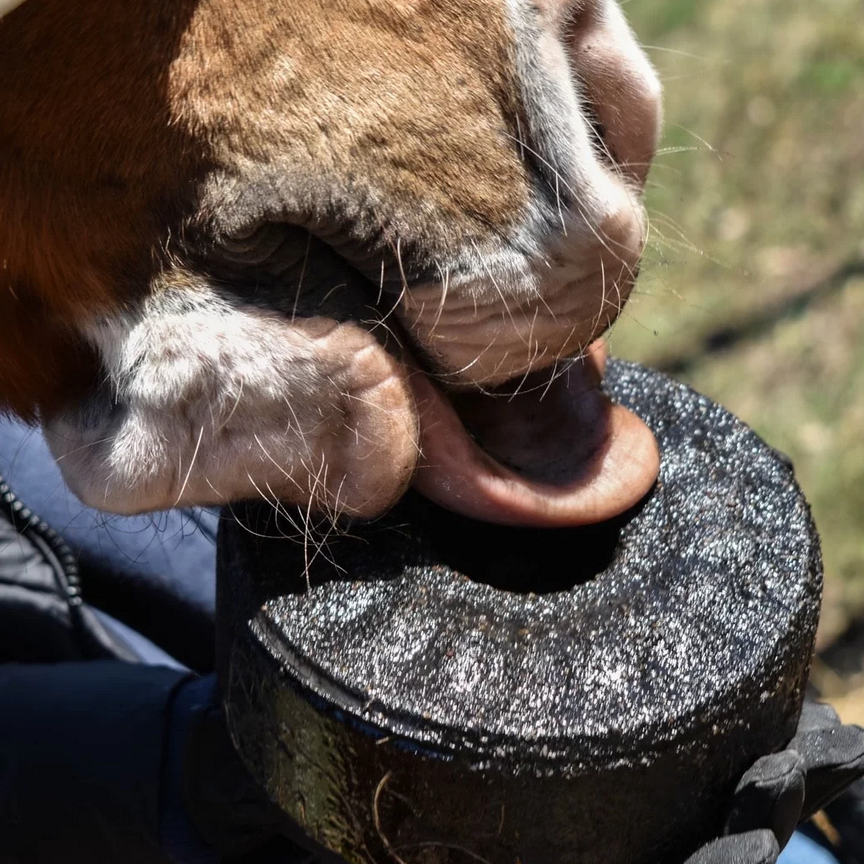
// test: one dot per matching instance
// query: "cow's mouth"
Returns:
(557, 453)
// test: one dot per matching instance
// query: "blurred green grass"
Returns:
(756, 203)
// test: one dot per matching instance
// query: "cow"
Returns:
(315, 251)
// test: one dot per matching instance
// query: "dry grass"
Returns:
(758, 197)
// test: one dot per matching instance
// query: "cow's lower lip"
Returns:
(559, 453)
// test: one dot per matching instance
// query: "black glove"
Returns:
(786, 788)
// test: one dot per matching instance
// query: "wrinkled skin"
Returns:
(247, 248)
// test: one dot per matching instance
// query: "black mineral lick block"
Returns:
(427, 689)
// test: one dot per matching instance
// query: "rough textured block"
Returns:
(449, 692)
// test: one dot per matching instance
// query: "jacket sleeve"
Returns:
(80, 773)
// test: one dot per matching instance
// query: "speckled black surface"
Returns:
(603, 718)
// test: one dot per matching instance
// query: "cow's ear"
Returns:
(8, 6)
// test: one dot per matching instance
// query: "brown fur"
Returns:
(113, 112)
(85, 185)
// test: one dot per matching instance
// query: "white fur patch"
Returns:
(211, 403)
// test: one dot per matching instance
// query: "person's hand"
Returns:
(785, 788)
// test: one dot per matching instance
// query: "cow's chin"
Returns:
(210, 404)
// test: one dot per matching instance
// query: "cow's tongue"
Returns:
(559, 453)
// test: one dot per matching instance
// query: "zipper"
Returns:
(48, 541)
(93, 638)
